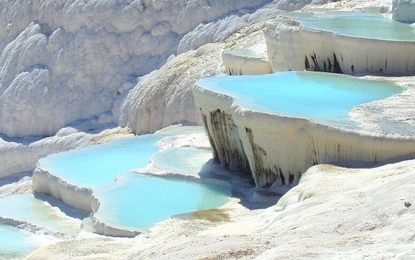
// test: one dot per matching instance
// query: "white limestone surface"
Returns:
(245, 62)
(19, 155)
(103, 228)
(295, 47)
(333, 213)
(67, 60)
(279, 149)
(312, 236)
(70, 194)
(164, 97)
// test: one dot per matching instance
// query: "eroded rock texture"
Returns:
(294, 47)
(62, 61)
(279, 149)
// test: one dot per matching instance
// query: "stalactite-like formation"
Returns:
(277, 149)
(295, 47)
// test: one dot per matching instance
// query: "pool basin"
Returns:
(136, 202)
(321, 97)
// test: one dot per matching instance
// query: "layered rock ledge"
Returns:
(279, 149)
(72, 195)
(292, 46)
(245, 62)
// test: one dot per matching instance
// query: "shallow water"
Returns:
(186, 160)
(15, 242)
(362, 25)
(98, 165)
(137, 202)
(28, 209)
(322, 97)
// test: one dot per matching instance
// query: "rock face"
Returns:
(294, 47)
(67, 60)
(279, 149)
(158, 99)
(403, 11)
(164, 97)
(245, 62)
(72, 195)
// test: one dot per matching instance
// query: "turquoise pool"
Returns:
(137, 202)
(37, 212)
(362, 25)
(15, 242)
(98, 165)
(322, 97)
(134, 201)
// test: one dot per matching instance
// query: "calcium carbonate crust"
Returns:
(278, 149)
(67, 60)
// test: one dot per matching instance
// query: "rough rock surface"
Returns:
(295, 47)
(279, 149)
(334, 213)
(164, 97)
(67, 60)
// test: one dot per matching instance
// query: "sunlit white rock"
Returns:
(279, 148)
(67, 60)
(293, 46)
(245, 62)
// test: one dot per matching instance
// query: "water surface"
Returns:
(137, 202)
(362, 25)
(98, 165)
(322, 97)
(28, 209)
(15, 242)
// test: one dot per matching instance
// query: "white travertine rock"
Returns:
(294, 47)
(72, 195)
(292, 5)
(334, 213)
(67, 60)
(164, 97)
(403, 11)
(176, 87)
(245, 62)
(279, 149)
(21, 155)
(108, 230)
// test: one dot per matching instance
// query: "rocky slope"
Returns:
(67, 60)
